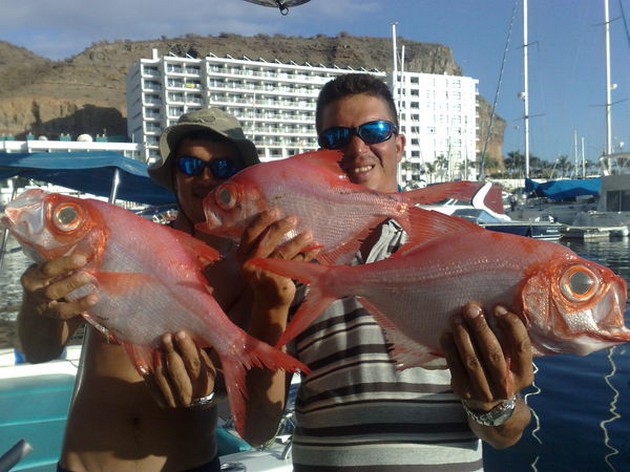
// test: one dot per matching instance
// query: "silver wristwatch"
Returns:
(495, 417)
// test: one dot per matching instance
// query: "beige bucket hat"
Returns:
(211, 119)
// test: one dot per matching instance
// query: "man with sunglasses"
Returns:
(355, 411)
(116, 423)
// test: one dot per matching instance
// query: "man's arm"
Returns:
(273, 296)
(487, 369)
(46, 320)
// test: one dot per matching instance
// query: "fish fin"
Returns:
(313, 305)
(340, 255)
(121, 282)
(253, 353)
(142, 357)
(327, 159)
(345, 253)
(424, 227)
(195, 247)
(405, 351)
(100, 328)
(461, 190)
(316, 301)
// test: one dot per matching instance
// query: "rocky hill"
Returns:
(86, 93)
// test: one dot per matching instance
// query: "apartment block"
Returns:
(275, 103)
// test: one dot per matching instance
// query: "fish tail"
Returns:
(313, 306)
(234, 376)
(254, 353)
(460, 190)
(322, 290)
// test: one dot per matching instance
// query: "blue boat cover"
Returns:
(90, 172)
(564, 189)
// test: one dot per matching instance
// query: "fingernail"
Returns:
(167, 341)
(84, 278)
(500, 311)
(181, 335)
(292, 220)
(79, 260)
(472, 311)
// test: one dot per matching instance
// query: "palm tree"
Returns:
(564, 165)
(441, 163)
(515, 164)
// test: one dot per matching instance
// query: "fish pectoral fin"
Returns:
(342, 255)
(142, 357)
(405, 351)
(413, 354)
(196, 247)
(111, 337)
(122, 282)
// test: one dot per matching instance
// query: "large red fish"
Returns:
(569, 304)
(312, 187)
(149, 279)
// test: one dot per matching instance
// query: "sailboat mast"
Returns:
(525, 89)
(608, 84)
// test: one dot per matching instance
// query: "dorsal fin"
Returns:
(426, 226)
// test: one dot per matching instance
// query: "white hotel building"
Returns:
(275, 103)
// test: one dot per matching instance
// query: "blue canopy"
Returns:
(564, 189)
(90, 172)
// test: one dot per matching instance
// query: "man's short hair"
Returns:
(353, 84)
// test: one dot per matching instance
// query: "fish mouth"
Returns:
(213, 221)
(608, 318)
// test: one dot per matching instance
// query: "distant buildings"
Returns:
(275, 103)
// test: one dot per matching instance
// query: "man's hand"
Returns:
(488, 368)
(182, 372)
(264, 238)
(47, 318)
(46, 286)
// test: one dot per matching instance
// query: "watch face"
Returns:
(495, 417)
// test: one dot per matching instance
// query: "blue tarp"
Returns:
(564, 189)
(90, 172)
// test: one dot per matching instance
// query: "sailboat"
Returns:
(614, 204)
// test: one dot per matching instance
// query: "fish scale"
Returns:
(312, 187)
(414, 293)
(149, 280)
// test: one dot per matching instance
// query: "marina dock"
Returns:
(594, 232)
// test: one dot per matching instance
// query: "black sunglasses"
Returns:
(220, 168)
(373, 132)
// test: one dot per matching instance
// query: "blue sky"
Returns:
(566, 48)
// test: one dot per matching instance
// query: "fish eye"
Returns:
(225, 197)
(579, 283)
(67, 217)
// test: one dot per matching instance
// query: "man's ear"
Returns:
(401, 140)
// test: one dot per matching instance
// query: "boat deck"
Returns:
(34, 405)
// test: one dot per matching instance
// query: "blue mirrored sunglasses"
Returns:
(373, 132)
(220, 168)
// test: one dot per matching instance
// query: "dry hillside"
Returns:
(86, 93)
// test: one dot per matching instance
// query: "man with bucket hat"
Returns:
(115, 422)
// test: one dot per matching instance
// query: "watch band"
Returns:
(495, 417)
(203, 401)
